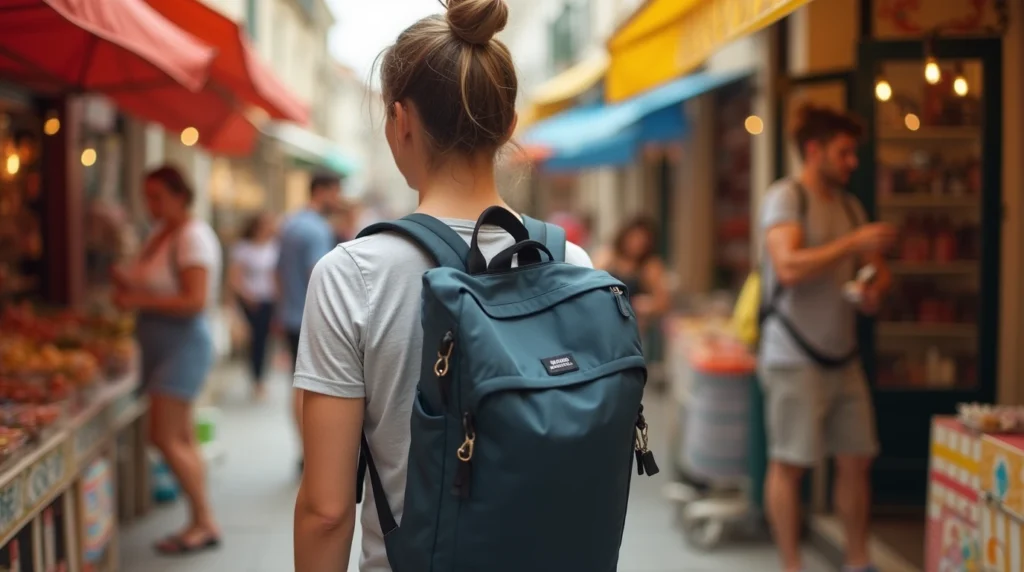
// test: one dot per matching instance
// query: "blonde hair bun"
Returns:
(476, 21)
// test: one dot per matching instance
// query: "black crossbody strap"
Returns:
(770, 309)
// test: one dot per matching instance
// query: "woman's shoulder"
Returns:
(577, 256)
(376, 255)
(199, 228)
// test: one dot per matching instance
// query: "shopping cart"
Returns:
(712, 377)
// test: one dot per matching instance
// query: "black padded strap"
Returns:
(380, 498)
(445, 246)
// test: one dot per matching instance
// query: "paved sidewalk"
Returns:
(254, 492)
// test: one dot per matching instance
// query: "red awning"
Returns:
(222, 125)
(98, 45)
(237, 66)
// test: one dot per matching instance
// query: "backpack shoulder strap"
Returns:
(851, 213)
(445, 246)
(550, 235)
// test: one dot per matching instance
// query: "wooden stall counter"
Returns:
(59, 501)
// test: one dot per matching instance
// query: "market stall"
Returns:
(71, 440)
(975, 494)
(72, 462)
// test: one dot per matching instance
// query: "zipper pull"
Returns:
(464, 472)
(645, 462)
(621, 301)
(441, 366)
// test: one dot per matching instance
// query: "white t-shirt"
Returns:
(259, 265)
(195, 244)
(361, 338)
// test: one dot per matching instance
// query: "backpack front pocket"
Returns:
(554, 461)
(417, 535)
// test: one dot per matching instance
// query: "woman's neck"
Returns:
(462, 189)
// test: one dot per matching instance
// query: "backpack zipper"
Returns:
(441, 366)
(620, 301)
(464, 472)
(645, 462)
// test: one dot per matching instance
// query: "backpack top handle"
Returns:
(528, 251)
(476, 263)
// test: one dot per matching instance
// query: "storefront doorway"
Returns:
(932, 166)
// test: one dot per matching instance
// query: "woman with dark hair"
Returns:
(633, 259)
(170, 286)
(251, 277)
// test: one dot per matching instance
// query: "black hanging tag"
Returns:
(649, 464)
(639, 461)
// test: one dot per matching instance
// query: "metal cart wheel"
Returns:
(703, 533)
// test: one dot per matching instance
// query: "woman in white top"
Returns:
(252, 277)
(449, 89)
(170, 287)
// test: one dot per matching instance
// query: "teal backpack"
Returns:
(528, 410)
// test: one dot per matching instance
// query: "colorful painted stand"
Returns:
(975, 501)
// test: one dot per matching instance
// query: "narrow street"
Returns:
(254, 487)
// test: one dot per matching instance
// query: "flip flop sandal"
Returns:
(176, 545)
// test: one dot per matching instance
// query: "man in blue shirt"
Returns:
(305, 238)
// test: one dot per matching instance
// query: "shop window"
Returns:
(568, 32)
(929, 165)
(251, 18)
(732, 188)
(21, 204)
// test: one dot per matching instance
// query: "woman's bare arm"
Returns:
(325, 511)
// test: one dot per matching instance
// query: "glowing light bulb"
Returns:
(13, 164)
(932, 72)
(912, 121)
(754, 125)
(89, 157)
(960, 86)
(189, 136)
(883, 91)
(52, 126)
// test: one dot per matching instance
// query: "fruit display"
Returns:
(51, 363)
(77, 345)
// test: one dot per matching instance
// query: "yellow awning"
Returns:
(558, 93)
(666, 39)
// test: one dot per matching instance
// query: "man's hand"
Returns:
(874, 238)
(871, 300)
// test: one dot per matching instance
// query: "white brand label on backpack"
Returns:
(560, 364)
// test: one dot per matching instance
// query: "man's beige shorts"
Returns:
(813, 413)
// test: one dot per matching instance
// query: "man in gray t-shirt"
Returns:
(816, 397)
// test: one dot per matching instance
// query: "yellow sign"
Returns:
(668, 38)
(1002, 471)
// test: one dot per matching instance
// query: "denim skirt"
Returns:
(177, 354)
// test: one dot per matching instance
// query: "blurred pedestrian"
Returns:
(633, 259)
(171, 285)
(305, 238)
(817, 400)
(251, 277)
(576, 229)
(449, 88)
(344, 220)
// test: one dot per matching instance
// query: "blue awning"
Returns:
(612, 135)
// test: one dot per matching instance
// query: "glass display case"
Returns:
(928, 162)
(932, 167)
